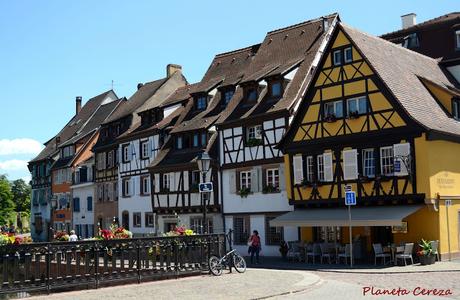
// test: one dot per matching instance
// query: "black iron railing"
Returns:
(90, 264)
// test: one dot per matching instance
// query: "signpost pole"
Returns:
(351, 236)
(447, 204)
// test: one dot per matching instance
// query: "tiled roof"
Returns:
(181, 94)
(73, 126)
(429, 23)
(402, 70)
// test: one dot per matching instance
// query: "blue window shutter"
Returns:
(76, 204)
(89, 203)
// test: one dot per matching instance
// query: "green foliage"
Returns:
(253, 142)
(426, 248)
(244, 192)
(21, 195)
(6, 201)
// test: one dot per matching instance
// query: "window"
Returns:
(100, 192)
(273, 178)
(326, 234)
(457, 39)
(166, 182)
(386, 161)
(251, 94)
(348, 55)
(320, 165)
(145, 149)
(115, 190)
(149, 219)
(196, 140)
(368, 163)
(456, 108)
(297, 161)
(67, 151)
(179, 142)
(126, 187)
(89, 203)
(137, 219)
(100, 161)
(276, 89)
(411, 41)
(357, 106)
(310, 170)
(76, 204)
(201, 103)
(227, 96)
(145, 185)
(337, 57)
(203, 139)
(241, 228)
(110, 159)
(126, 153)
(273, 235)
(196, 224)
(333, 109)
(255, 132)
(245, 180)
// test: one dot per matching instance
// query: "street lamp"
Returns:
(204, 163)
(53, 203)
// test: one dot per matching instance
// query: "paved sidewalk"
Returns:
(253, 284)
(278, 263)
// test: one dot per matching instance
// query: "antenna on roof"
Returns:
(113, 84)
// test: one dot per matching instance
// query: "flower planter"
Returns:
(427, 259)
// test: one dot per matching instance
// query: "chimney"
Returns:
(139, 85)
(172, 68)
(408, 20)
(325, 24)
(77, 105)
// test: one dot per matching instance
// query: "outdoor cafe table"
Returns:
(393, 249)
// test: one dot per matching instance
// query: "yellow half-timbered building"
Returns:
(382, 121)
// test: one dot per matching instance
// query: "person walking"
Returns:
(73, 237)
(254, 247)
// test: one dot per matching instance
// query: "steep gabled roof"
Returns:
(180, 95)
(73, 126)
(401, 70)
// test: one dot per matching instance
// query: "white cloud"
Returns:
(20, 146)
(13, 165)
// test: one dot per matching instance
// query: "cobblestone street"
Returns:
(276, 284)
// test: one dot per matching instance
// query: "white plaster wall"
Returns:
(83, 217)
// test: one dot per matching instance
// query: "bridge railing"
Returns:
(90, 264)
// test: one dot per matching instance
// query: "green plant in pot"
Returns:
(426, 254)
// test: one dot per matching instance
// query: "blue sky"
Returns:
(52, 51)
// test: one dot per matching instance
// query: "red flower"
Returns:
(18, 240)
(106, 234)
(180, 230)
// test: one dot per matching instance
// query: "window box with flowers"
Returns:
(253, 142)
(353, 115)
(269, 189)
(363, 178)
(330, 118)
(244, 192)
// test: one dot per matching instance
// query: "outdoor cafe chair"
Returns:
(378, 252)
(435, 245)
(325, 252)
(294, 251)
(312, 252)
(346, 254)
(407, 254)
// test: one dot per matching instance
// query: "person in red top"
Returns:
(254, 246)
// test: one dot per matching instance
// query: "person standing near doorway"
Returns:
(254, 247)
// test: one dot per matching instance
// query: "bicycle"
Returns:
(231, 259)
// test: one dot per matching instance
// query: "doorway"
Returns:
(381, 235)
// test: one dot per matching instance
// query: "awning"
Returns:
(360, 216)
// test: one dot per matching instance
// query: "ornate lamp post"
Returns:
(204, 163)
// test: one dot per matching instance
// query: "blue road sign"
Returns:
(205, 187)
(350, 198)
(397, 165)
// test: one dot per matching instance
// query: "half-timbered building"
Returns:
(376, 119)
(75, 150)
(253, 185)
(175, 175)
(109, 154)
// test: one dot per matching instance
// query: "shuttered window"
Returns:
(310, 169)
(350, 164)
(245, 179)
(368, 163)
(328, 171)
(298, 169)
(76, 204)
(320, 167)
(401, 158)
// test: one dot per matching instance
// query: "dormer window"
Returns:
(348, 55)
(411, 41)
(179, 144)
(227, 96)
(337, 57)
(456, 108)
(276, 89)
(457, 39)
(201, 102)
(251, 94)
(342, 56)
(67, 151)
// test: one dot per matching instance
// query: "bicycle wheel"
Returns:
(239, 263)
(214, 266)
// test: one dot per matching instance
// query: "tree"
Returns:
(6, 201)
(21, 195)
